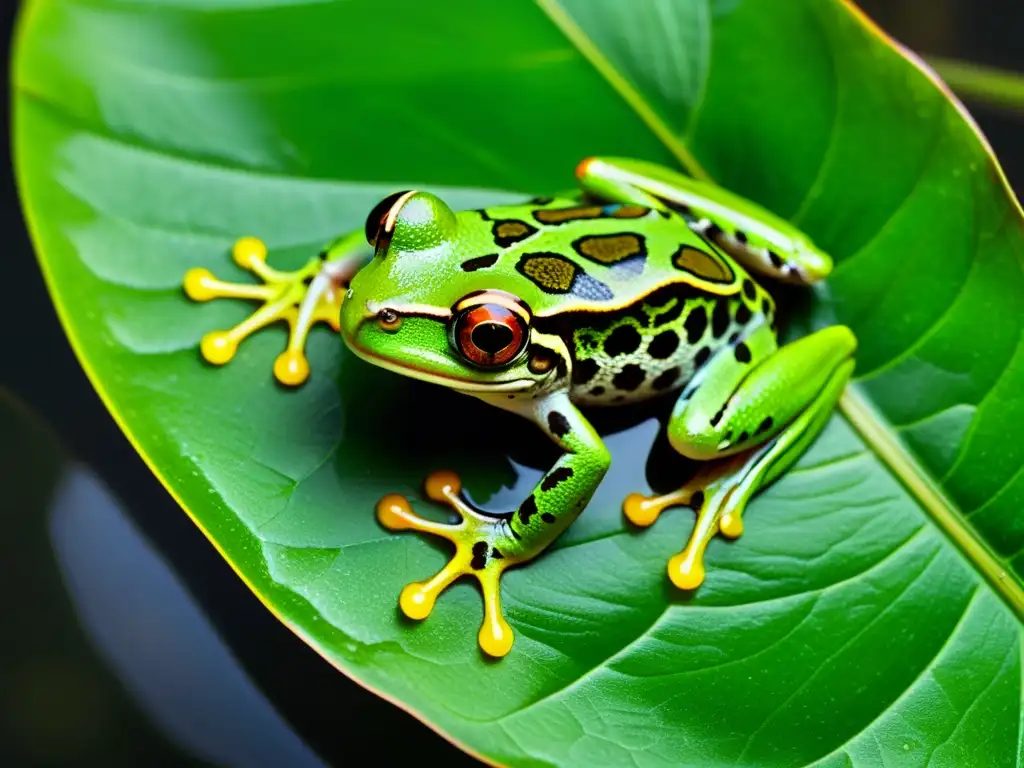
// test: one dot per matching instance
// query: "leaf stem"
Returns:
(586, 46)
(980, 83)
(878, 435)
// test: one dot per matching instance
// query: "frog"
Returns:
(640, 282)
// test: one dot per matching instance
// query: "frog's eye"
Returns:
(490, 334)
(380, 224)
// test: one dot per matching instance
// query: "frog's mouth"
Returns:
(457, 383)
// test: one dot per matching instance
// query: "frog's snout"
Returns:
(354, 311)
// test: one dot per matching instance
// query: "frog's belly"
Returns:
(653, 350)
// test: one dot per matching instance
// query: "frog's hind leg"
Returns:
(754, 424)
(302, 298)
(754, 236)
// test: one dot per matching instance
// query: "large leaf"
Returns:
(843, 628)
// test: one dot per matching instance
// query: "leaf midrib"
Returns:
(561, 19)
(876, 432)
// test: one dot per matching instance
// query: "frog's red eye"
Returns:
(380, 224)
(489, 335)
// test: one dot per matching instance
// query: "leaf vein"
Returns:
(818, 670)
(916, 682)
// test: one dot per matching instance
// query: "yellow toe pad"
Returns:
(476, 538)
(281, 295)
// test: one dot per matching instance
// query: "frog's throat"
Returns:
(451, 382)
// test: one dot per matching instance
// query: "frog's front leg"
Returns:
(301, 298)
(755, 408)
(757, 238)
(486, 545)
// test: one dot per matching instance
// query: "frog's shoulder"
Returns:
(567, 255)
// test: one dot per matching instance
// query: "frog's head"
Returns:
(411, 309)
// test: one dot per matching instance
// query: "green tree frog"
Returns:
(638, 284)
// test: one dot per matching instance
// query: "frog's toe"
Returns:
(477, 539)
(281, 296)
(418, 598)
(249, 253)
(200, 285)
(445, 486)
(730, 524)
(644, 511)
(686, 570)
(291, 367)
(718, 494)
(495, 636)
(218, 347)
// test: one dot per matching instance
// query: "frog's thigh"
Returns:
(750, 391)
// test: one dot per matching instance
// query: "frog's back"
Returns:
(568, 256)
(641, 300)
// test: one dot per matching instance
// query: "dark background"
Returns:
(77, 686)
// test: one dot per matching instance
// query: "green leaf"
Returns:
(844, 628)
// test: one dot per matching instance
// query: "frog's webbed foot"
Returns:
(718, 493)
(478, 540)
(281, 294)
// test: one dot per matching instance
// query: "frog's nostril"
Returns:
(388, 319)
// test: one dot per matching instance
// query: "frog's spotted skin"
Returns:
(553, 273)
(593, 255)
(702, 263)
(508, 232)
(635, 288)
(479, 262)
(554, 215)
(658, 345)
(623, 250)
